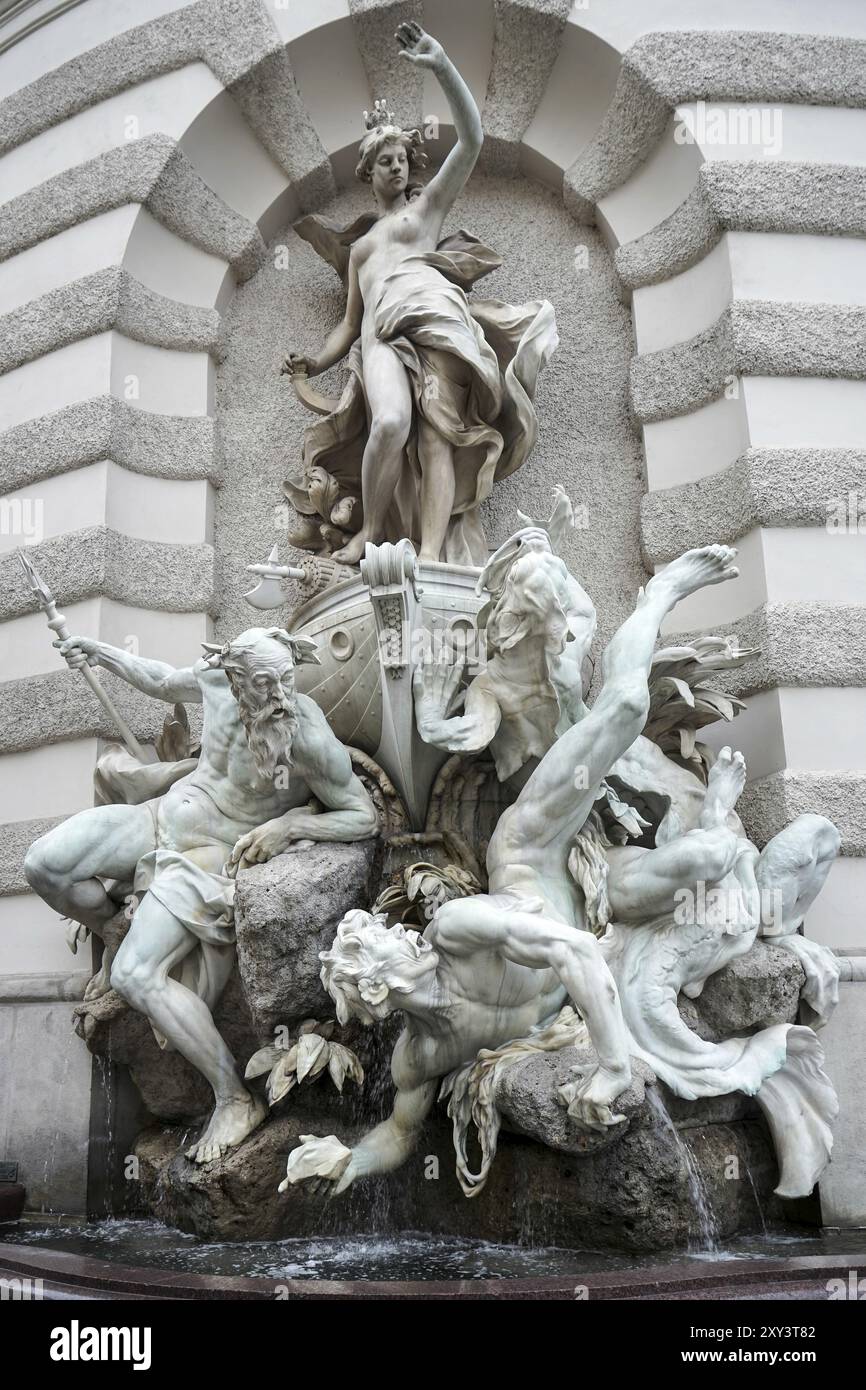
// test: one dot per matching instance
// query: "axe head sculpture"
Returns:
(269, 592)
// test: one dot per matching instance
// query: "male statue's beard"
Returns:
(270, 727)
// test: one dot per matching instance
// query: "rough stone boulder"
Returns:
(754, 991)
(286, 912)
(527, 1098)
(642, 1193)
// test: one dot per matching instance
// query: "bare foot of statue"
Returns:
(711, 564)
(725, 783)
(230, 1123)
(352, 552)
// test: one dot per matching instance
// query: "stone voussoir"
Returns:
(663, 70)
(108, 299)
(160, 446)
(389, 76)
(764, 487)
(750, 338)
(750, 196)
(152, 171)
(525, 46)
(237, 41)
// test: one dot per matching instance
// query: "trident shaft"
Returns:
(57, 622)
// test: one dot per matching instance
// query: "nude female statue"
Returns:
(440, 394)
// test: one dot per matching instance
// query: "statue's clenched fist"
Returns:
(79, 651)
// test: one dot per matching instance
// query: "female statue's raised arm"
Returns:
(419, 48)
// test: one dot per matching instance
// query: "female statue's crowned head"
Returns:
(388, 154)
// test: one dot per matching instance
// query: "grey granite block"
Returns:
(97, 560)
(238, 42)
(525, 46)
(163, 446)
(764, 487)
(664, 70)
(799, 644)
(752, 196)
(152, 171)
(754, 338)
(109, 298)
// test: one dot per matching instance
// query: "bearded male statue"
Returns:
(265, 750)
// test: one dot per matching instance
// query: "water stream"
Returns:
(704, 1236)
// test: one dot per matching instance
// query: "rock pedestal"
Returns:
(286, 912)
(644, 1192)
(674, 1174)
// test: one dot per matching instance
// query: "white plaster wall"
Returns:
(164, 105)
(795, 564)
(804, 412)
(749, 265)
(70, 34)
(810, 729)
(81, 250)
(26, 643)
(575, 99)
(167, 382)
(698, 444)
(621, 22)
(60, 378)
(657, 189)
(173, 267)
(33, 940)
(55, 780)
(226, 153)
(102, 494)
(683, 306)
(761, 412)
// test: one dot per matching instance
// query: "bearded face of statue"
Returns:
(264, 687)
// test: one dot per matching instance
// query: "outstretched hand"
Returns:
(436, 681)
(419, 48)
(322, 1163)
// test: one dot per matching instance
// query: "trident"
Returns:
(57, 622)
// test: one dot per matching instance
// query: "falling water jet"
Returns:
(708, 1230)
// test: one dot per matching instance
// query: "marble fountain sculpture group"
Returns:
(618, 876)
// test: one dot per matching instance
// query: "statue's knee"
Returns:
(39, 866)
(129, 979)
(715, 856)
(819, 832)
(390, 428)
